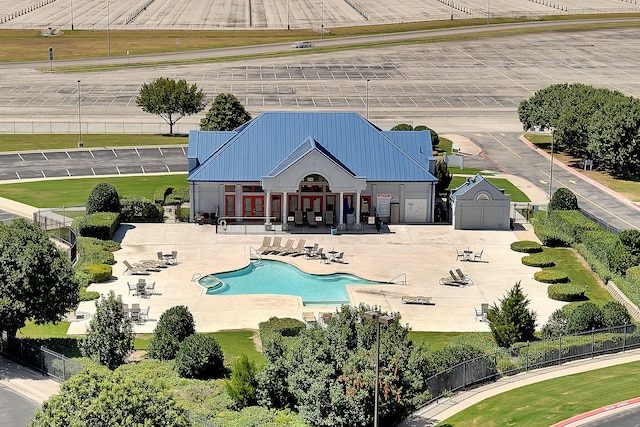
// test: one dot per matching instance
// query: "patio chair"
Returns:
(298, 218)
(479, 314)
(141, 290)
(328, 220)
(135, 313)
(339, 258)
(174, 258)
(417, 300)
(478, 256)
(459, 254)
(144, 314)
(485, 308)
(323, 257)
(273, 246)
(311, 218)
(266, 242)
(134, 270)
(132, 287)
(309, 253)
(294, 250)
(150, 289)
(284, 248)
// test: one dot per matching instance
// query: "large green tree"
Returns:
(443, 175)
(100, 398)
(109, 339)
(512, 321)
(226, 113)
(171, 99)
(36, 279)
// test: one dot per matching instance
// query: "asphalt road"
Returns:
(16, 410)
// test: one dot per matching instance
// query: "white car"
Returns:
(300, 45)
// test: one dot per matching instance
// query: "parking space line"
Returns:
(21, 158)
(45, 156)
(114, 152)
(92, 156)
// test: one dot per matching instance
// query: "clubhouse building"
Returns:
(283, 169)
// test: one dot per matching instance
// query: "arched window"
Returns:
(483, 196)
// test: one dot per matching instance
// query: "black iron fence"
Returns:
(48, 362)
(533, 355)
(58, 227)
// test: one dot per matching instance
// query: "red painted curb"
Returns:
(604, 409)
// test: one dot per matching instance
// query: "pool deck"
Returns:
(425, 253)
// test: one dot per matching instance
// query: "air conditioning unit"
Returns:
(268, 227)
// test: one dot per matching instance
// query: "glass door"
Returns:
(253, 206)
(276, 207)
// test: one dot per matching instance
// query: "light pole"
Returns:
(367, 101)
(488, 11)
(288, 14)
(373, 315)
(71, 15)
(322, 23)
(553, 131)
(80, 143)
(108, 27)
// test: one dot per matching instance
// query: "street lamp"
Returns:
(71, 15)
(80, 143)
(488, 11)
(373, 315)
(367, 100)
(108, 28)
(322, 23)
(553, 131)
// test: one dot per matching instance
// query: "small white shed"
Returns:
(479, 205)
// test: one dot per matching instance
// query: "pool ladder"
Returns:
(402, 282)
(253, 253)
(196, 277)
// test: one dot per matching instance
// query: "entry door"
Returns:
(253, 206)
(276, 207)
(313, 203)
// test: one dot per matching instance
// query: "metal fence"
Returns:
(48, 362)
(535, 355)
(59, 227)
(600, 222)
(93, 127)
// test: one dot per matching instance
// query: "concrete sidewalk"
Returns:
(440, 410)
(26, 381)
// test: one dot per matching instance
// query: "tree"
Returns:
(402, 126)
(226, 113)
(103, 198)
(563, 199)
(435, 138)
(109, 339)
(173, 327)
(170, 99)
(585, 317)
(199, 357)
(444, 177)
(100, 398)
(36, 279)
(242, 386)
(512, 321)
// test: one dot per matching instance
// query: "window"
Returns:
(229, 188)
(252, 189)
(483, 196)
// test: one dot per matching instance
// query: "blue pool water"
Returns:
(274, 277)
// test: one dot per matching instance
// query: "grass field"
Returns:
(548, 402)
(74, 192)
(10, 142)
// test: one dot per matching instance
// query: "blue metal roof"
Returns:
(256, 148)
(206, 143)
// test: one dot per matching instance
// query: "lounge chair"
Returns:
(295, 250)
(325, 318)
(465, 278)
(284, 248)
(478, 256)
(134, 270)
(309, 319)
(298, 218)
(339, 258)
(266, 242)
(417, 300)
(451, 280)
(274, 246)
(311, 218)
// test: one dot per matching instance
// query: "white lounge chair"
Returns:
(417, 300)
(311, 218)
(273, 246)
(266, 242)
(294, 250)
(284, 248)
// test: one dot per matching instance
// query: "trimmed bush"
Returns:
(526, 246)
(160, 194)
(585, 317)
(563, 199)
(622, 259)
(556, 324)
(633, 275)
(538, 260)
(615, 314)
(101, 225)
(99, 272)
(183, 214)
(631, 239)
(178, 197)
(139, 209)
(550, 276)
(200, 357)
(103, 198)
(284, 327)
(566, 292)
(173, 327)
(571, 225)
(92, 251)
(546, 232)
(602, 244)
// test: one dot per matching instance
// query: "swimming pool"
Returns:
(275, 277)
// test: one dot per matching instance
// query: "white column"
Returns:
(285, 209)
(357, 207)
(267, 205)
(340, 209)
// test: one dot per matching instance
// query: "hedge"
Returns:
(550, 276)
(566, 292)
(183, 214)
(178, 197)
(140, 209)
(526, 246)
(284, 327)
(538, 260)
(602, 244)
(93, 251)
(571, 225)
(99, 272)
(546, 232)
(101, 225)
(160, 194)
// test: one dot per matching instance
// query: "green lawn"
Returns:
(10, 142)
(48, 330)
(548, 402)
(435, 340)
(74, 192)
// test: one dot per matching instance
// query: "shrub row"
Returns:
(283, 327)
(160, 194)
(526, 246)
(100, 272)
(566, 292)
(550, 276)
(183, 214)
(140, 209)
(101, 225)
(538, 260)
(177, 197)
(96, 251)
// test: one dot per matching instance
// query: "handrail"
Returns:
(196, 276)
(403, 282)
(235, 218)
(253, 250)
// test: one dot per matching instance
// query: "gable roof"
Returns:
(269, 141)
(475, 182)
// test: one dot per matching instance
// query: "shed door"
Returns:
(415, 210)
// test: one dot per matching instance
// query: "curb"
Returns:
(579, 419)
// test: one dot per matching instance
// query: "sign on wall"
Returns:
(383, 205)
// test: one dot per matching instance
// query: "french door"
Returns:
(252, 206)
